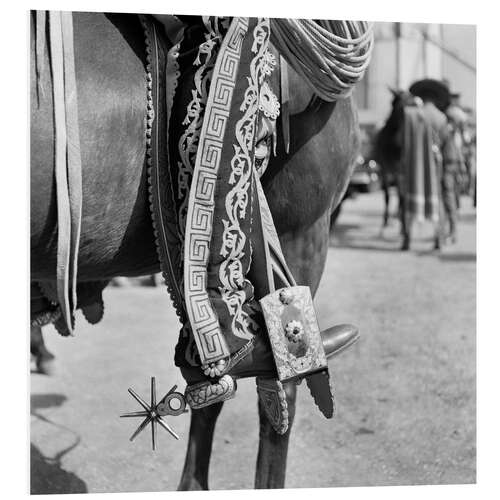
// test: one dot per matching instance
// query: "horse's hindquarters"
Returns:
(116, 236)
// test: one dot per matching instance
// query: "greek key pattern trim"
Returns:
(188, 143)
(199, 221)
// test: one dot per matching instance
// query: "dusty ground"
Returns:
(405, 392)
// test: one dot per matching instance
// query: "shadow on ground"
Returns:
(43, 401)
(354, 236)
(468, 218)
(47, 476)
(458, 257)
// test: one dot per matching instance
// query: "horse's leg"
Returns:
(405, 230)
(385, 187)
(197, 462)
(305, 251)
(273, 447)
(43, 357)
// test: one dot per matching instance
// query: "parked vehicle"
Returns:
(365, 176)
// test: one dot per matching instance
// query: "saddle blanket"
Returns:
(420, 166)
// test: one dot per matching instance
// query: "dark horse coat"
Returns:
(117, 237)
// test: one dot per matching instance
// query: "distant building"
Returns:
(405, 52)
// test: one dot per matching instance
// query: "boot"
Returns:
(338, 338)
(259, 361)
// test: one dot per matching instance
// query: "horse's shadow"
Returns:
(47, 476)
(467, 218)
(448, 257)
(349, 235)
(458, 257)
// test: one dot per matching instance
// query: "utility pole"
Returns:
(399, 55)
(425, 55)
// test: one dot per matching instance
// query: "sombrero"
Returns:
(433, 90)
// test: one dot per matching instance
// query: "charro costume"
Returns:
(241, 312)
(445, 154)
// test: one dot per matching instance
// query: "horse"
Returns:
(387, 150)
(117, 239)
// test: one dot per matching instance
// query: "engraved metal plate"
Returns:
(293, 332)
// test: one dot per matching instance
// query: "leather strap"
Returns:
(67, 161)
(276, 266)
(74, 163)
(285, 103)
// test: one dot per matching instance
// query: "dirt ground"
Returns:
(406, 393)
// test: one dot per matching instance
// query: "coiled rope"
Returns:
(331, 56)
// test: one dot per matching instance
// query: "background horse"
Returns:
(388, 150)
(117, 237)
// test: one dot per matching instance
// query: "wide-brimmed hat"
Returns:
(433, 90)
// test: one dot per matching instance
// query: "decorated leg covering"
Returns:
(218, 247)
(218, 252)
(219, 67)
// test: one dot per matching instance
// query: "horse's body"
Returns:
(388, 149)
(117, 236)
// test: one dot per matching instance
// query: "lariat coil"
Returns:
(331, 56)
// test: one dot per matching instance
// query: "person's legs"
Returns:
(449, 203)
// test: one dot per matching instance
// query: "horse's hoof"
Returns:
(338, 338)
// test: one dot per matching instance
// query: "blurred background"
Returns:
(404, 53)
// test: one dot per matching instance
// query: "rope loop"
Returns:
(332, 56)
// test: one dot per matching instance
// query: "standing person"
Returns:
(457, 119)
(436, 99)
(469, 138)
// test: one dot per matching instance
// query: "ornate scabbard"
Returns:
(296, 342)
